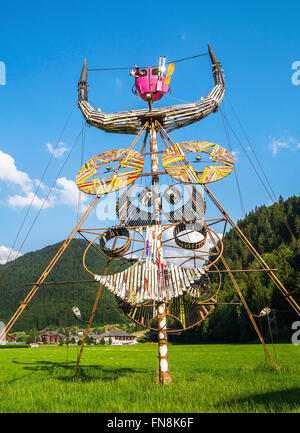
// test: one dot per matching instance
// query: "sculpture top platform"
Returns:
(149, 84)
(171, 118)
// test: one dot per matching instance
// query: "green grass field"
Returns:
(206, 378)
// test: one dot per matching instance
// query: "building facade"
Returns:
(51, 337)
(114, 337)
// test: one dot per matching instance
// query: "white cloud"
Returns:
(10, 174)
(235, 153)
(57, 151)
(18, 201)
(40, 184)
(68, 193)
(6, 253)
(278, 144)
(183, 37)
(118, 82)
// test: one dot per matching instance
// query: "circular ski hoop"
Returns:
(190, 203)
(146, 197)
(130, 160)
(194, 227)
(115, 233)
(200, 287)
(134, 215)
(119, 260)
(202, 254)
(173, 195)
(176, 165)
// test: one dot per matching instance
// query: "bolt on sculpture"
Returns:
(158, 262)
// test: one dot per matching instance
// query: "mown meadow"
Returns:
(206, 378)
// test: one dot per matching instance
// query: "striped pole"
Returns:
(164, 375)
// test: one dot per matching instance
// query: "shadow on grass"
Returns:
(275, 401)
(245, 369)
(86, 373)
(9, 382)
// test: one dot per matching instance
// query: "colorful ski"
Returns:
(169, 73)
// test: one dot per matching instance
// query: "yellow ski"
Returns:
(169, 73)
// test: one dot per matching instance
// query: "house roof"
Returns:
(52, 334)
(112, 333)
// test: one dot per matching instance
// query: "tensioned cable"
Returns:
(50, 190)
(271, 335)
(81, 164)
(234, 168)
(83, 132)
(44, 201)
(224, 117)
(39, 184)
(251, 147)
(155, 66)
(177, 99)
(270, 193)
(245, 151)
(257, 173)
(260, 323)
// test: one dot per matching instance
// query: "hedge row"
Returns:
(13, 346)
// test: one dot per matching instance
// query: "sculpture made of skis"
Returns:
(143, 278)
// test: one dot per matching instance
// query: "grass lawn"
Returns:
(206, 378)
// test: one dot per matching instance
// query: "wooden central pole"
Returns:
(164, 375)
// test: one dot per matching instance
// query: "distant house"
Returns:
(96, 337)
(10, 338)
(117, 337)
(74, 332)
(52, 337)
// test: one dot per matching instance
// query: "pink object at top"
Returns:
(153, 86)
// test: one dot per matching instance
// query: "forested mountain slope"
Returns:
(268, 233)
(264, 227)
(52, 304)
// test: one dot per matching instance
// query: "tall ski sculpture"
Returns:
(160, 266)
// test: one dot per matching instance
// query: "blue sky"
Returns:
(43, 45)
